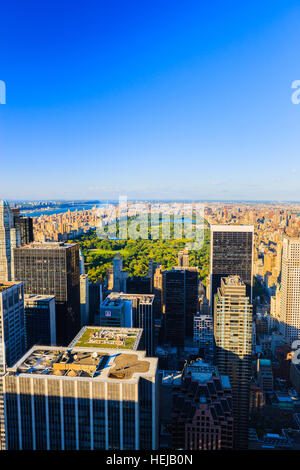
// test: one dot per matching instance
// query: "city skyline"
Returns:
(165, 103)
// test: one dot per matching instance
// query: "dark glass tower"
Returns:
(53, 269)
(231, 254)
(25, 226)
(179, 304)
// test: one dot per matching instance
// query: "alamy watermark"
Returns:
(296, 355)
(296, 94)
(154, 221)
(2, 92)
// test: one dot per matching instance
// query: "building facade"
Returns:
(53, 269)
(84, 300)
(12, 337)
(289, 317)
(9, 239)
(142, 316)
(231, 254)
(179, 304)
(204, 335)
(82, 399)
(202, 409)
(40, 320)
(233, 340)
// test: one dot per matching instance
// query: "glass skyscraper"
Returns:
(231, 254)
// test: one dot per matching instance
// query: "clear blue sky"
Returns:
(153, 99)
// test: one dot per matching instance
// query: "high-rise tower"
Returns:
(231, 254)
(289, 315)
(233, 338)
(12, 337)
(9, 239)
(179, 304)
(53, 269)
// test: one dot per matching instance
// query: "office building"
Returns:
(231, 254)
(289, 315)
(233, 340)
(25, 227)
(204, 335)
(157, 291)
(9, 239)
(140, 307)
(84, 300)
(116, 312)
(183, 259)
(138, 285)
(53, 269)
(95, 299)
(40, 321)
(83, 399)
(202, 409)
(12, 337)
(179, 303)
(117, 278)
(169, 380)
(265, 374)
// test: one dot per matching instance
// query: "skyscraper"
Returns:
(141, 314)
(183, 259)
(82, 398)
(12, 336)
(204, 336)
(95, 299)
(53, 269)
(179, 302)
(233, 339)
(157, 291)
(115, 311)
(84, 300)
(25, 227)
(289, 316)
(116, 276)
(9, 239)
(138, 285)
(40, 321)
(231, 254)
(202, 409)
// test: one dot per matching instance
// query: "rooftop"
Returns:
(232, 281)
(46, 246)
(7, 285)
(93, 363)
(37, 297)
(108, 338)
(170, 377)
(232, 228)
(143, 298)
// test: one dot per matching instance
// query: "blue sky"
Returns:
(152, 99)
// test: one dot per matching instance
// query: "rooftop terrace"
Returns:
(108, 337)
(143, 298)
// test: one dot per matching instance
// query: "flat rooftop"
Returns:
(234, 281)
(80, 363)
(232, 228)
(46, 246)
(7, 285)
(38, 297)
(108, 338)
(112, 302)
(143, 298)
